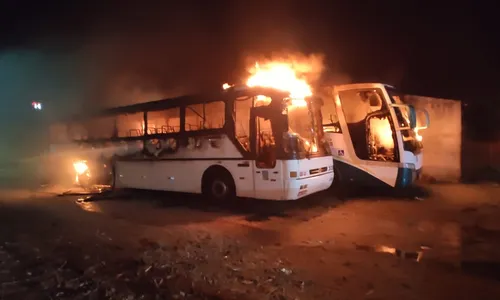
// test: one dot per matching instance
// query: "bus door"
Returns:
(372, 153)
(268, 170)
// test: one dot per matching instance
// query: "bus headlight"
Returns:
(80, 167)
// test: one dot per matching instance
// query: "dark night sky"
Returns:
(72, 53)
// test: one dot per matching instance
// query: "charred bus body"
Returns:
(246, 142)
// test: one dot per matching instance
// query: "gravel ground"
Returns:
(170, 246)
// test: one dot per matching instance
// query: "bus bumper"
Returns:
(407, 177)
(307, 186)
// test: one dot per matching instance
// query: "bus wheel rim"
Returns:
(219, 188)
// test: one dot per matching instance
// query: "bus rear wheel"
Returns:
(219, 186)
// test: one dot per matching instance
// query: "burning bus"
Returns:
(253, 142)
(368, 135)
(373, 135)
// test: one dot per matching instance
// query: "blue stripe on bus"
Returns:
(352, 174)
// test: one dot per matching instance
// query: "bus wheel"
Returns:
(338, 186)
(218, 185)
(112, 183)
(112, 174)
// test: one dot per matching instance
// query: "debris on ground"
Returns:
(186, 270)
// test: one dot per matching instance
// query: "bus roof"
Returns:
(222, 95)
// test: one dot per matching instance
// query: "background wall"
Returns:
(443, 139)
(480, 160)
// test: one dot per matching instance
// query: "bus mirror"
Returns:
(409, 113)
(427, 120)
(412, 116)
(417, 122)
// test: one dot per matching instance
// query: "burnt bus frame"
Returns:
(228, 97)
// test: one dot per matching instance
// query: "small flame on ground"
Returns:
(226, 85)
(80, 166)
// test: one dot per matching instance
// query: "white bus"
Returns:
(245, 142)
(373, 135)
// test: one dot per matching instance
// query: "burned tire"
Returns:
(218, 185)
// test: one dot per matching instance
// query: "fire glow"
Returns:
(80, 167)
(292, 74)
(281, 76)
(418, 136)
(383, 132)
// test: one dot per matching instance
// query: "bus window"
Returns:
(266, 146)
(130, 125)
(164, 121)
(301, 125)
(242, 108)
(329, 112)
(215, 115)
(100, 127)
(368, 121)
(77, 132)
(205, 116)
(330, 119)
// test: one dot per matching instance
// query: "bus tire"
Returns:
(338, 185)
(112, 184)
(112, 174)
(218, 184)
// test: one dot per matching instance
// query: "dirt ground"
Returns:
(171, 246)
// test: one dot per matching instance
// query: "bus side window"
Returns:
(205, 116)
(101, 127)
(215, 115)
(164, 121)
(77, 131)
(129, 125)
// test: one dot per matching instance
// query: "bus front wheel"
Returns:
(218, 185)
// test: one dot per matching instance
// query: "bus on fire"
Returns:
(373, 135)
(241, 141)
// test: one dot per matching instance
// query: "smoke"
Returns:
(75, 61)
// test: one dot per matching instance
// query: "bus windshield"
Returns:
(401, 115)
(411, 139)
(303, 126)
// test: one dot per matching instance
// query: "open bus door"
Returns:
(268, 170)
(372, 138)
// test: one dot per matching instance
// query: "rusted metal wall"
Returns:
(443, 139)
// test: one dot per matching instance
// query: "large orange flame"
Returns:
(281, 76)
(292, 75)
